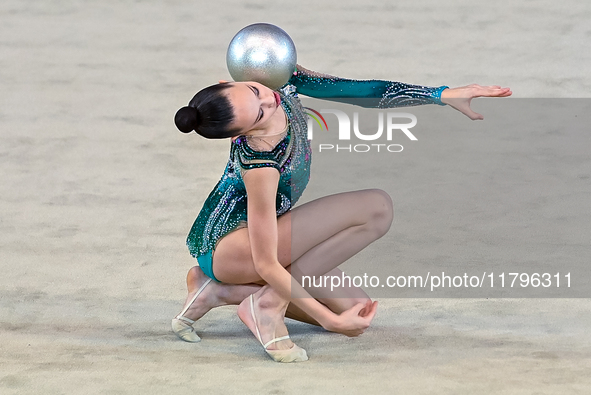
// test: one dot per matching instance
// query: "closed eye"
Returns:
(256, 92)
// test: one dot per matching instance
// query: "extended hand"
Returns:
(460, 98)
(356, 320)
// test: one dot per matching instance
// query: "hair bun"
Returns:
(187, 119)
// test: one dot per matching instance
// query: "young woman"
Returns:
(251, 243)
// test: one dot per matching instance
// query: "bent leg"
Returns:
(213, 295)
(314, 238)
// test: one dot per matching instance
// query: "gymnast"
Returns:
(250, 240)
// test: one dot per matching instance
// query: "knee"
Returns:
(381, 211)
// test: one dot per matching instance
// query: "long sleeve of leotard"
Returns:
(365, 93)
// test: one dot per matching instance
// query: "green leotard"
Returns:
(225, 208)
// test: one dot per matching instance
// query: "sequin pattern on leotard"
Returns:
(226, 206)
(365, 93)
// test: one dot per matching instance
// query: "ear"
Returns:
(223, 81)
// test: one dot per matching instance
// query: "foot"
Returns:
(213, 295)
(269, 312)
(204, 295)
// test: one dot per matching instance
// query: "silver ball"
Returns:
(263, 53)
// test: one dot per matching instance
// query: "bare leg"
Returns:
(214, 294)
(317, 237)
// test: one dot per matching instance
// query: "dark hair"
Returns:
(209, 113)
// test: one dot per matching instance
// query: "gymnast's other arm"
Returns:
(387, 94)
(261, 186)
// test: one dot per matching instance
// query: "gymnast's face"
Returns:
(254, 105)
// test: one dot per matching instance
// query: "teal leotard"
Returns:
(225, 208)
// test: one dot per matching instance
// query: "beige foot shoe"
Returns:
(294, 354)
(183, 326)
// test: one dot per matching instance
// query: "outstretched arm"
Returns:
(365, 93)
(386, 94)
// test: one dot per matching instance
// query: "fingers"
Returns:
(372, 311)
(502, 92)
(457, 97)
(369, 307)
(358, 318)
(357, 308)
(368, 318)
(474, 115)
(464, 108)
(363, 312)
(492, 91)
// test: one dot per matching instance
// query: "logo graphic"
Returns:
(387, 125)
(315, 118)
